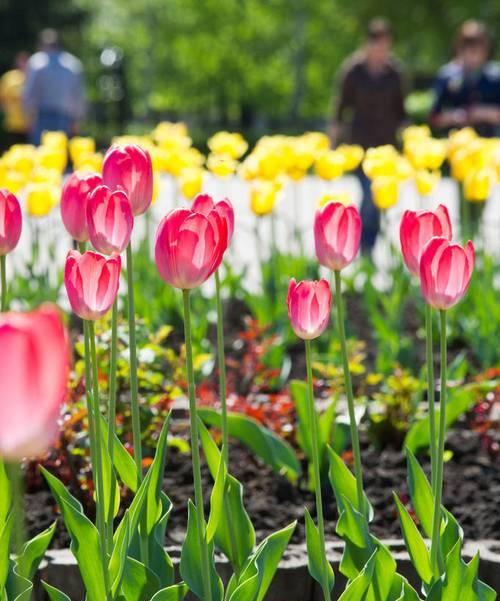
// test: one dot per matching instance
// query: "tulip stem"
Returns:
(97, 465)
(313, 421)
(350, 396)
(15, 473)
(112, 414)
(3, 277)
(195, 449)
(436, 557)
(222, 369)
(136, 418)
(430, 393)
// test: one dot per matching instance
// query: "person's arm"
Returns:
(345, 102)
(440, 116)
(484, 113)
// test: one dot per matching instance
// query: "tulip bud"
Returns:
(110, 220)
(34, 370)
(337, 235)
(11, 222)
(445, 272)
(74, 199)
(309, 307)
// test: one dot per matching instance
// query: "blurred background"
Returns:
(256, 66)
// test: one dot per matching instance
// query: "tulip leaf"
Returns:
(18, 588)
(53, 593)
(357, 589)
(6, 496)
(319, 566)
(217, 501)
(191, 560)
(33, 552)
(421, 495)
(176, 592)
(84, 538)
(136, 507)
(272, 449)
(116, 565)
(450, 534)
(109, 483)
(159, 560)
(408, 593)
(235, 535)
(122, 460)
(138, 583)
(343, 483)
(415, 544)
(5, 532)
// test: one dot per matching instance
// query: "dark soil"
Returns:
(472, 490)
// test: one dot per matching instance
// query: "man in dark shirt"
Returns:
(370, 109)
(467, 89)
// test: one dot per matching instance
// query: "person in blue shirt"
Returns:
(467, 89)
(54, 94)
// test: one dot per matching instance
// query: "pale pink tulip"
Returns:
(337, 235)
(74, 198)
(309, 307)
(110, 220)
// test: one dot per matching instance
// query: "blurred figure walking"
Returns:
(467, 89)
(11, 99)
(370, 109)
(54, 96)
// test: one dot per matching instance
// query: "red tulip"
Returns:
(189, 247)
(110, 220)
(11, 222)
(417, 228)
(309, 307)
(92, 283)
(74, 198)
(34, 369)
(129, 168)
(445, 272)
(337, 234)
(204, 204)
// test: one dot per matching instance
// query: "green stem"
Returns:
(3, 278)
(274, 268)
(97, 459)
(313, 421)
(259, 254)
(15, 473)
(350, 396)
(112, 415)
(430, 393)
(195, 448)
(222, 368)
(136, 419)
(436, 558)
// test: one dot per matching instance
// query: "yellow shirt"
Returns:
(11, 97)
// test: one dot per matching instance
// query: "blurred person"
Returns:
(11, 99)
(467, 89)
(370, 109)
(54, 95)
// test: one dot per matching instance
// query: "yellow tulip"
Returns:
(330, 164)
(317, 141)
(478, 184)
(169, 134)
(50, 157)
(46, 176)
(14, 181)
(89, 162)
(341, 196)
(263, 196)
(353, 155)
(191, 181)
(41, 198)
(55, 139)
(428, 153)
(232, 145)
(415, 132)
(385, 190)
(81, 146)
(221, 165)
(380, 161)
(426, 181)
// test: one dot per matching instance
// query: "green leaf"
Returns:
(216, 501)
(415, 544)
(159, 560)
(5, 532)
(298, 392)
(138, 583)
(54, 594)
(109, 481)
(118, 557)
(136, 507)
(32, 553)
(356, 589)
(408, 593)
(421, 495)
(191, 560)
(122, 460)
(450, 534)
(84, 538)
(319, 567)
(272, 449)
(176, 592)
(154, 503)
(6, 496)
(343, 483)
(211, 450)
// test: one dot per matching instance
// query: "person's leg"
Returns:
(370, 215)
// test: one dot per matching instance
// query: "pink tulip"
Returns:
(189, 247)
(337, 234)
(34, 369)
(129, 167)
(445, 272)
(110, 220)
(92, 283)
(417, 228)
(309, 307)
(204, 204)
(11, 222)
(74, 198)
